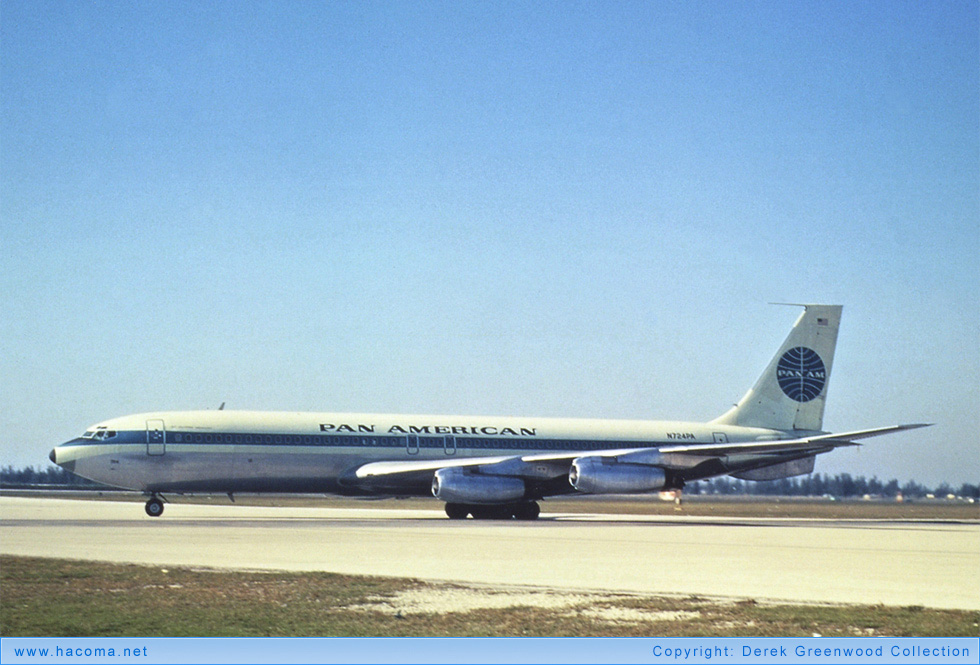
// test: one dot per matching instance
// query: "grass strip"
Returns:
(52, 597)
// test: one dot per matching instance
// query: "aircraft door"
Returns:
(450, 444)
(720, 437)
(412, 444)
(156, 437)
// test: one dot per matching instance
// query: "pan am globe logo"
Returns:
(801, 374)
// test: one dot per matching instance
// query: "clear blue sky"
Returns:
(539, 209)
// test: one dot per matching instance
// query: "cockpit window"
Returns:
(99, 434)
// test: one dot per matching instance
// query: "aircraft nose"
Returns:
(51, 456)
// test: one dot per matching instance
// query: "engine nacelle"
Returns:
(592, 476)
(453, 485)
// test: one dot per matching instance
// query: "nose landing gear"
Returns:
(154, 507)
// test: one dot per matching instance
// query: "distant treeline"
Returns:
(52, 475)
(842, 485)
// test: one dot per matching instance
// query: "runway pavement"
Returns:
(933, 564)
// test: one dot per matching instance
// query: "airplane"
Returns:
(484, 467)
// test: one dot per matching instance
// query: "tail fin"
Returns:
(792, 392)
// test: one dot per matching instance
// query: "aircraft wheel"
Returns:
(154, 507)
(457, 511)
(527, 511)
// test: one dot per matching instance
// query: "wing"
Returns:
(548, 473)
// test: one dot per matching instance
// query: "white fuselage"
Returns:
(241, 451)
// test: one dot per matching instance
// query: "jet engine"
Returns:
(594, 476)
(453, 485)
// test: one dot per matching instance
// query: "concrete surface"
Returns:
(932, 564)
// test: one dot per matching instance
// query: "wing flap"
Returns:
(377, 469)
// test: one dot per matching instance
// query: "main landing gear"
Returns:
(528, 510)
(154, 507)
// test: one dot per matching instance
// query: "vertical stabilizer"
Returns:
(792, 392)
